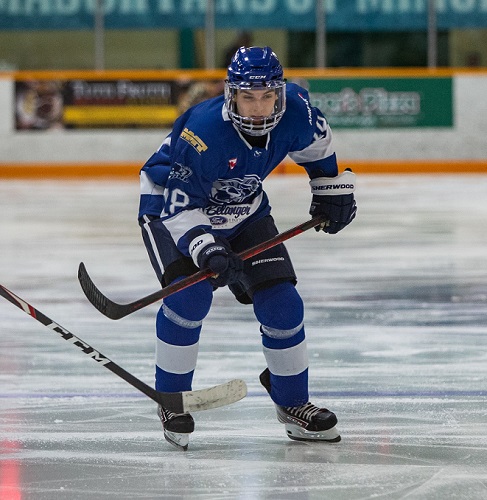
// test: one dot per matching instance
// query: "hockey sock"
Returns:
(178, 326)
(280, 311)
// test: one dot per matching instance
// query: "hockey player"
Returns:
(202, 202)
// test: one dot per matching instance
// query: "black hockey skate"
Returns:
(177, 427)
(306, 422)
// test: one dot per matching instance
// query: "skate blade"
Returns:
(178, 439)
(298, 434)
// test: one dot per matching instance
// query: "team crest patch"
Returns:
(235, 190)
(232, 163)
(181, 172)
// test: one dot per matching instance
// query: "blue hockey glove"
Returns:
(333, 197)
(217, 256)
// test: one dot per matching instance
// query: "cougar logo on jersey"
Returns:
(181, 172)
(234, 190)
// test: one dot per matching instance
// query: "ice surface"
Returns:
(396, 320)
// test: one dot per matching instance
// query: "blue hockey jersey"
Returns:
(206, 175)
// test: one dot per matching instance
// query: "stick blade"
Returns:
(107, 307)
(214, 397)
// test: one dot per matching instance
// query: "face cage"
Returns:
(245, 123)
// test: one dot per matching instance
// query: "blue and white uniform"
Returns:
(205, 174)
(206, 178)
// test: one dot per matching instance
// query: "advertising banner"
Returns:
(347, 103)
(341, 15)
(75, 104)
(384, 102)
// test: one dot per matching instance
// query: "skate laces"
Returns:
(167, 415)
(305, 412)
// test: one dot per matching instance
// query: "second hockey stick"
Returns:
(178, 402)
(114, 310)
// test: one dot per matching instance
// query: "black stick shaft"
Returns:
(170, 400)
(116, 311)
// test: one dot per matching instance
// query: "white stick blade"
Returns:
(214, 397)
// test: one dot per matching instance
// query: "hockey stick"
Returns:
(116, 311)
(178, 402)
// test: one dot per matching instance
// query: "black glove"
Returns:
(227, 265)
(333, 197)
